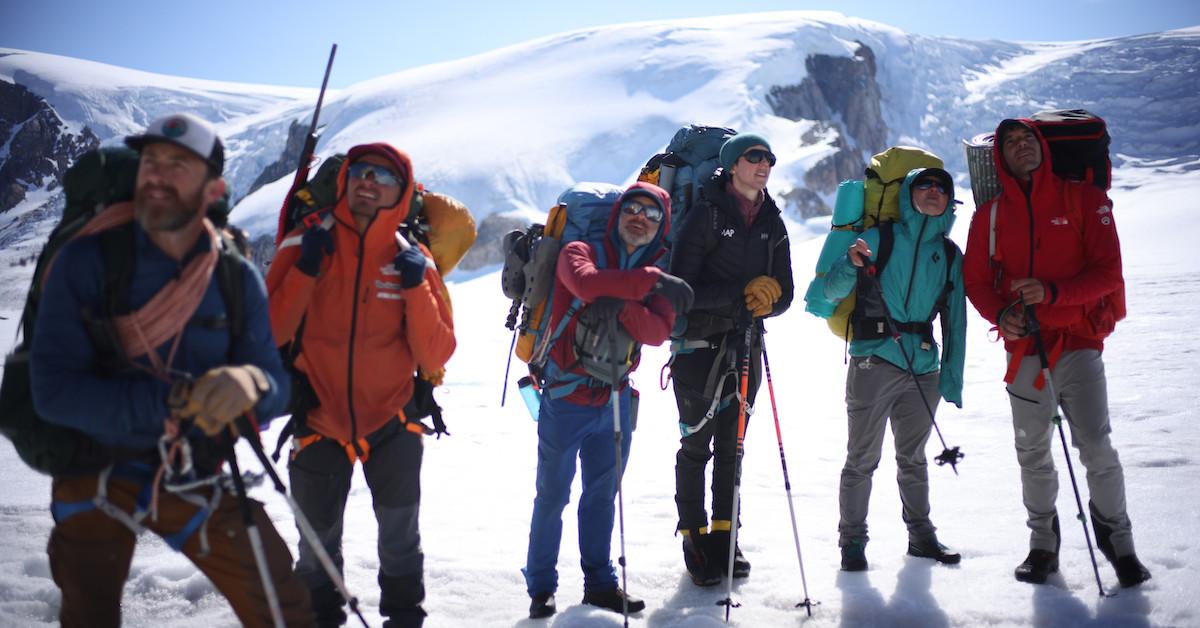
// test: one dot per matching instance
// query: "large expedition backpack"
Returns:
(861, 204)
(691, 158)
(98, 179)
(528, 278)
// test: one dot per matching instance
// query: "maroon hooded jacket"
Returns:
(647, 317)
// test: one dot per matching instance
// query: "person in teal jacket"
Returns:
(919, 277)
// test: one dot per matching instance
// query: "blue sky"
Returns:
(286, 43)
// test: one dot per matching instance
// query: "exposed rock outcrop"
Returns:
(287, 161)
(36, 147)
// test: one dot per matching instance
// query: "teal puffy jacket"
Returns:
(912, 281)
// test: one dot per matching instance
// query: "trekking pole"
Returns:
(615, 399)
(1056, 419)
(510, 323)
(256, 545)
(735, 518)
(306, 153)
(787, 483)
(949, 455)
(306, 529)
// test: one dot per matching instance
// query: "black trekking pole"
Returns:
(808, 603)
(1033, 328)
(256, 544)
(306, 530)
(949, 455)
(743, 408)
(306, 154)
(510, 323)
(615, 399)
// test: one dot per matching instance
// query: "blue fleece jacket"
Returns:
(127, 408)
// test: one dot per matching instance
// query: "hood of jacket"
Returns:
(918, 225)
(1040, 177)
(647, 254)
(387, 219)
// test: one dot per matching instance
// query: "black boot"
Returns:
(696, 558)
(718, 544)
(854, 555)
(1103, 535)
(931, 548)
(1037, 566)
(541, 606)
(613, 599)
(1130, 571)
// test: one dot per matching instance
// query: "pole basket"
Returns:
(982, 168)
(950, 456)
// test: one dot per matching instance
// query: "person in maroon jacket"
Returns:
(594, 282)
(1055, 259)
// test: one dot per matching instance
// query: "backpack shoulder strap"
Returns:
(231, 282)
(887, 239)
(117, 251)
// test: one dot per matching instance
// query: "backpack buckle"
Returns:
(311, 221)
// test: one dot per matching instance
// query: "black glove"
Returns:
(410, 263)
(605, 308)
(675, 290)
(314, 246)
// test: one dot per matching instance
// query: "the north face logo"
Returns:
(1059, 221)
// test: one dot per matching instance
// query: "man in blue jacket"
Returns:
(920, 278)
(158, 369)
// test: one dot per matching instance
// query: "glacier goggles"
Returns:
(755, 155)
(380, 174)
(926, 184)
(651, 211)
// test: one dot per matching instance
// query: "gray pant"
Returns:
(1082, 393)
(875, 391)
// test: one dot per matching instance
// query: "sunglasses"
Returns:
(381, 175)
(653, 213)
(757, 155)
(926, 184)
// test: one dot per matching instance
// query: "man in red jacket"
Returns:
(595, 282)
(1055, 259)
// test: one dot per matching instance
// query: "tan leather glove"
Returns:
(223, 394)
(761, 293)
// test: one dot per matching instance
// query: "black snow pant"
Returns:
(716, 437)
(320, 477)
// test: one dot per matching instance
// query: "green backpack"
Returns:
(99, 178)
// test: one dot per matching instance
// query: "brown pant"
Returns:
(90, 554)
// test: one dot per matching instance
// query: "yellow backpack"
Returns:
(861, 204)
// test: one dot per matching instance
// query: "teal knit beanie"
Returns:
(738, 144)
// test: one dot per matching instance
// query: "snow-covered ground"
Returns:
(478, 484)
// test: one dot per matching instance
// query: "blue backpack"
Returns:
(691, 158)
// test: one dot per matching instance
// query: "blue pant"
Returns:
(567, 430)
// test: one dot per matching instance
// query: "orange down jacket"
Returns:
(364, 336)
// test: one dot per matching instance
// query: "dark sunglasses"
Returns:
(381, 175)
(758, 154)
(928, 183)
(653, 213)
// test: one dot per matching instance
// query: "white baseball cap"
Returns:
(186, 131)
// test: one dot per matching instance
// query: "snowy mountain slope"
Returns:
(478, 487)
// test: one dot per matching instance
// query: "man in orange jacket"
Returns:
(364, 310)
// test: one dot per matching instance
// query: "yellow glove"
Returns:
(222, 395)
(761, 293)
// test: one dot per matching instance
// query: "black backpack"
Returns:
(1078, 143)
(99, 178)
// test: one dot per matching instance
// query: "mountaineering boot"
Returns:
(930, 548)
(541, 606)
(1130, 571)
(718, 551)
(611, 599)
(854, 555)
(1037, 566)
(696, 558)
